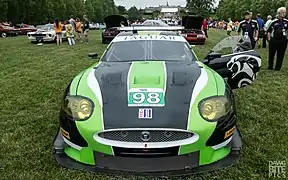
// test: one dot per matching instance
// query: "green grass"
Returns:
(32, 81)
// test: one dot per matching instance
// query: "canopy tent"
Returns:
(169, 10)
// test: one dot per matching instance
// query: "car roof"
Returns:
(149, 35)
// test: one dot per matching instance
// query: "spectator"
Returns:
(86, 28)
(58, 30)
(249, 28)
(277, 35)
(69, 33)
(205, 27)
(269, 20)
(229, 27)
(261, 24)
(79, 29)
(73, 23)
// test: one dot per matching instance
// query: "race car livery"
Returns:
(149, 106)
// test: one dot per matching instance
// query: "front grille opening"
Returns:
(146, 136)
(146, 153)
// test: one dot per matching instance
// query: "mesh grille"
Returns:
(145, 136)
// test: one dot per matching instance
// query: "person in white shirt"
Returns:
(269, 20)
(73, 23)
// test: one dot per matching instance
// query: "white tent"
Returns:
(169, 10)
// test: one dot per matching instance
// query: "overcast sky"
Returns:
(148, 3)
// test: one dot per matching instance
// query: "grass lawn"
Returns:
(33, 79)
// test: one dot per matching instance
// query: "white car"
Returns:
(45, 34)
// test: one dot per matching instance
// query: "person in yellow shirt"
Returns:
(79, 29)
(70, 33)
(229, 27)
(58, 30)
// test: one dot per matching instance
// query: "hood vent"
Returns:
(181, 78)
(113, 78)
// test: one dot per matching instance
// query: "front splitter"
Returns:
(118, 165)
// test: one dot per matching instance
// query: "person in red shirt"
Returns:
(205, 27)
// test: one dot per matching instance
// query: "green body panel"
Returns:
(139, 78)
(88, 128)
(85, 155)
(215, 86)
(209, 155)
(74, 83)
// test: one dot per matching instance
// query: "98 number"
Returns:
(152, 98)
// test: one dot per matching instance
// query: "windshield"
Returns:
(140, 50)
(233, 44)
(47, 27)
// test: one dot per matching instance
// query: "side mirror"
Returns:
(93, 55)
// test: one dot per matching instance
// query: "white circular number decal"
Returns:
(138, 98)
(153, 98)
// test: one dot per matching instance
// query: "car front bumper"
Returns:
(44, 39)
(155, 166)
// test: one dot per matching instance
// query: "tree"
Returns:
(200, 7)
(134, 14)
(44, 11)
(121, 9)
(182, 12)
(3, 9)
(235, 8)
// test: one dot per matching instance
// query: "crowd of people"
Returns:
(274, 31)
(74, 30)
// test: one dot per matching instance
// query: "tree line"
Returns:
(44, 11)
(234, 8)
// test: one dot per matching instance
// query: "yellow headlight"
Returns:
(78, 107)
(214, 108)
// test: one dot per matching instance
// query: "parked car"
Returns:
(45, 34)
(112, 22)
(23, 29)
(39, 26)
(192, 29)
(7, 31)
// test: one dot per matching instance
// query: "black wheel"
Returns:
(3, 35)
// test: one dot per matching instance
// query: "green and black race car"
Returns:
(149, 106)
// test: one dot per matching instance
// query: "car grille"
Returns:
(145, 135)
(38, 35)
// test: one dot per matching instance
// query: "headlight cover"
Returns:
(78, 107)
(214, 108)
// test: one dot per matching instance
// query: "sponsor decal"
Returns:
(229, 132)
(145, 113)
(64, 133)
(146, 97)
(149, 37)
